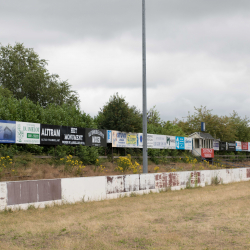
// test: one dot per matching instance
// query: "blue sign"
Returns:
(180, 143)
(7, 131)
(109, 136)
(203, 126)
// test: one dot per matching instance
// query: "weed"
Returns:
(215, 180)
(133, 194)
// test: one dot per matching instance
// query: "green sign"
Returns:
(32, 136)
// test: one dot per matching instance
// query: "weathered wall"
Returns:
(22, 194)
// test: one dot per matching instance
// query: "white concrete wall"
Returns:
(111, 187)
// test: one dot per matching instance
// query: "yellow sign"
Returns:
(131, 139)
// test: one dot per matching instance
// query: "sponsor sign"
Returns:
(119, 139)
(27, 133)
(150, 140)
(238, 146)
(231, 146)
(170, 142)
(72, 135)
(248, 146)
(216, 145)
(109, 136)
(188, 143)
(131, 141)
(207, 153)
(180, 143)
(95, 137)
(159, 141)
(50, 134)
(244, 146)
(223, 146)
(7, 131)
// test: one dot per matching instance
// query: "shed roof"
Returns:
(202, 135)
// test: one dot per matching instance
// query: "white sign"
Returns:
(150, 140)
(188, 143)
(238, 146)
(119, 139)
(160, 141)
(27, 133)
(248, 146)
(170, 142)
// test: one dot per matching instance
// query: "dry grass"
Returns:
(44, 169)
(214, 217)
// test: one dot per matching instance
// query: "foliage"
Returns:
(88, 155)
(117, 115)
(72, 165)
(227, 128)
(25, 75)
(126, 164)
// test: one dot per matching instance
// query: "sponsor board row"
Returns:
(36, 133)
(135, 140)
(231, 146)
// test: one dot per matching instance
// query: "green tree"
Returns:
(118, 115)
(25, 75)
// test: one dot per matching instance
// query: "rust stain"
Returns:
(173, 179)
(248, 173)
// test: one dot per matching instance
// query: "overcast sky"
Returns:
(198, 51)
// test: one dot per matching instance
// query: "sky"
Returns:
(198, 51)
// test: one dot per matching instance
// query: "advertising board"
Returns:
(216, 145)
(238, 146)
(95, 137)
(180, 143)
(188, 143)
(170, 142)
(223, 146)
(159, 141)
(131, 141)
(27, 133)
(109, 136)
(7, 131)
(244, 146)
(231, 146)
(72, 136)
(50, 134)
(207, 152)
(119, 139)
(150, 140)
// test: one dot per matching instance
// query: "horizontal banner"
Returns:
(7, 131)
(96, 137)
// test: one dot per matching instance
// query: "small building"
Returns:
(201, 140)
(7, 133)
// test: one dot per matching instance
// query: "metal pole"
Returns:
(144, 92)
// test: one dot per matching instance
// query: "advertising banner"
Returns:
(119, 139)
(223, 146)
(238, 146)
(170, 142)
(95, 137)
(216, 145)
(150, 140)
(188, 143)
(180, 143)
(50, 134)
(244, 146)
(231, 146)
(109, 136)
(207, 153)
(27, 133)
(7, 131)
(131, 141)
(248, 146)
(159, 141)
(72, 136)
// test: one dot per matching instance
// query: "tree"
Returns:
(117, 115)
(226, 128)
(25, 75)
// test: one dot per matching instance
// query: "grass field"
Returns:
(214, 217)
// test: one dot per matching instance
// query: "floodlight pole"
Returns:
(144, 91)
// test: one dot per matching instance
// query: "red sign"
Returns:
(244, 146)
(207, 153)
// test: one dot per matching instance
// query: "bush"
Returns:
(88, 155)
